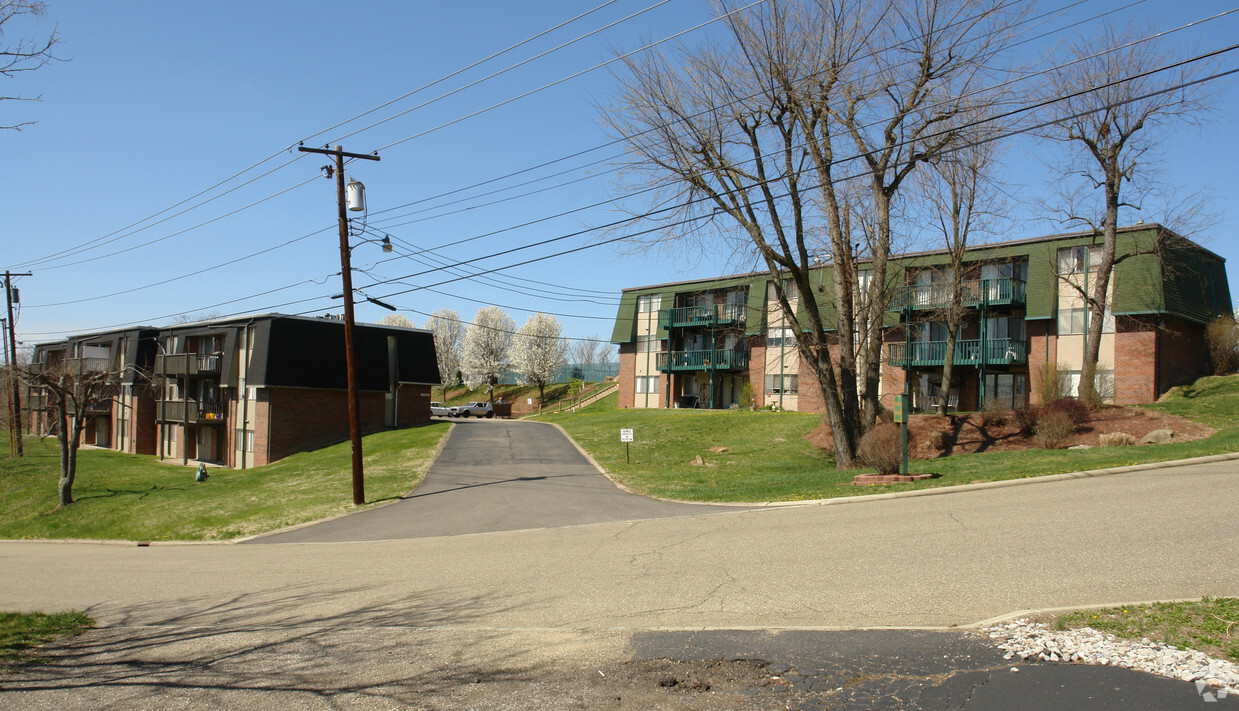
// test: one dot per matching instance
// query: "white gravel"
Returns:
(1027, 640)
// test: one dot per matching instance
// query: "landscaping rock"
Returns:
(1158, 437)
(1034, 641)
(1081, 446)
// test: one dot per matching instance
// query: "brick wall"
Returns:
(1183, 354)
(1135, 358)
(412, 405)
(1042, 349)
(627, 374)
(304, 419)
(757, 368)
(143, 425)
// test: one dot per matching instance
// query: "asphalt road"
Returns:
(496, 475)
(544, 617)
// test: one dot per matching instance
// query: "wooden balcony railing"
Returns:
(1003, 291)
(702, 316)
(998, 351)
(717, 359)
(188, 364)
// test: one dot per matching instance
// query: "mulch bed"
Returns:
(967, 434)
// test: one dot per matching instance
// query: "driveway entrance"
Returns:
(497, 475)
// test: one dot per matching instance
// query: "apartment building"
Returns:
(247, 391)
(711, 343)
(125, 422)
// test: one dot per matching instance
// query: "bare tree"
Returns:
(760, 134)
(485, 355)
(449, 334)
(1118, 95)
(195, 317)
(590, 350)
(26, 54)
(960, 189)
(72, 388)
(539, 351)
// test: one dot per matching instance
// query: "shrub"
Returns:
(1048, 386)
(996, 413)
(1222, 335)
(882, 448)
(939, 440)
(1071, 407)
(1054, 428)
(1116, 439)
(1026, 419)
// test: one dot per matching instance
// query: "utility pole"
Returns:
(346, 274)
(15, 422)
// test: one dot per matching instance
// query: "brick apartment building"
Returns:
(243, 392)
(698, 343)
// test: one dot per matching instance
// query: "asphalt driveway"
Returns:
(497, 475)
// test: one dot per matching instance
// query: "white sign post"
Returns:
(626, 437)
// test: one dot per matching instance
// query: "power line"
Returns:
(1199, 57)
(462, 70)
(570, 77)
(117, 234)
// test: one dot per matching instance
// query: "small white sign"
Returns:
(528, 401)
(626, 435)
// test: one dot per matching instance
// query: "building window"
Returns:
(647, 384)
(1079, 259)
(647, 303)
(649, 343)
(787, 384)
(780, 338)
(1074, 321)
(1069, 383)
(245, 440)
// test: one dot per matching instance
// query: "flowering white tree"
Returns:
(484, 357)
(397, 320)
(448, 332)
(539, 352)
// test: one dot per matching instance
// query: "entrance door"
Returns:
(103, 432)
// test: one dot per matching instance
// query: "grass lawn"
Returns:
(769, 459)
(21, 633)
(1211, 625)
(136, 497)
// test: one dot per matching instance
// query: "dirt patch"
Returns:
(968, 434)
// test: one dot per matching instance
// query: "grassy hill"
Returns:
(768, 458)
(137, 497)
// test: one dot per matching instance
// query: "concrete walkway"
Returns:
(496, 475)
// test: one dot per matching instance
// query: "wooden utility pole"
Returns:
(15, 421)
(350, 361)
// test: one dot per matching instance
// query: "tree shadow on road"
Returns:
(227, 652)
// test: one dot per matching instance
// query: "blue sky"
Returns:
(160, 101)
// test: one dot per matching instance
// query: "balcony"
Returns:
(1004, 291)
(718, 359)
(998, 351)
(187, 364)
(702, 316)
(209, 412)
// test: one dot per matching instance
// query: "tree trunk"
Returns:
(944, 393)
(1097, 301)
(68, 457)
